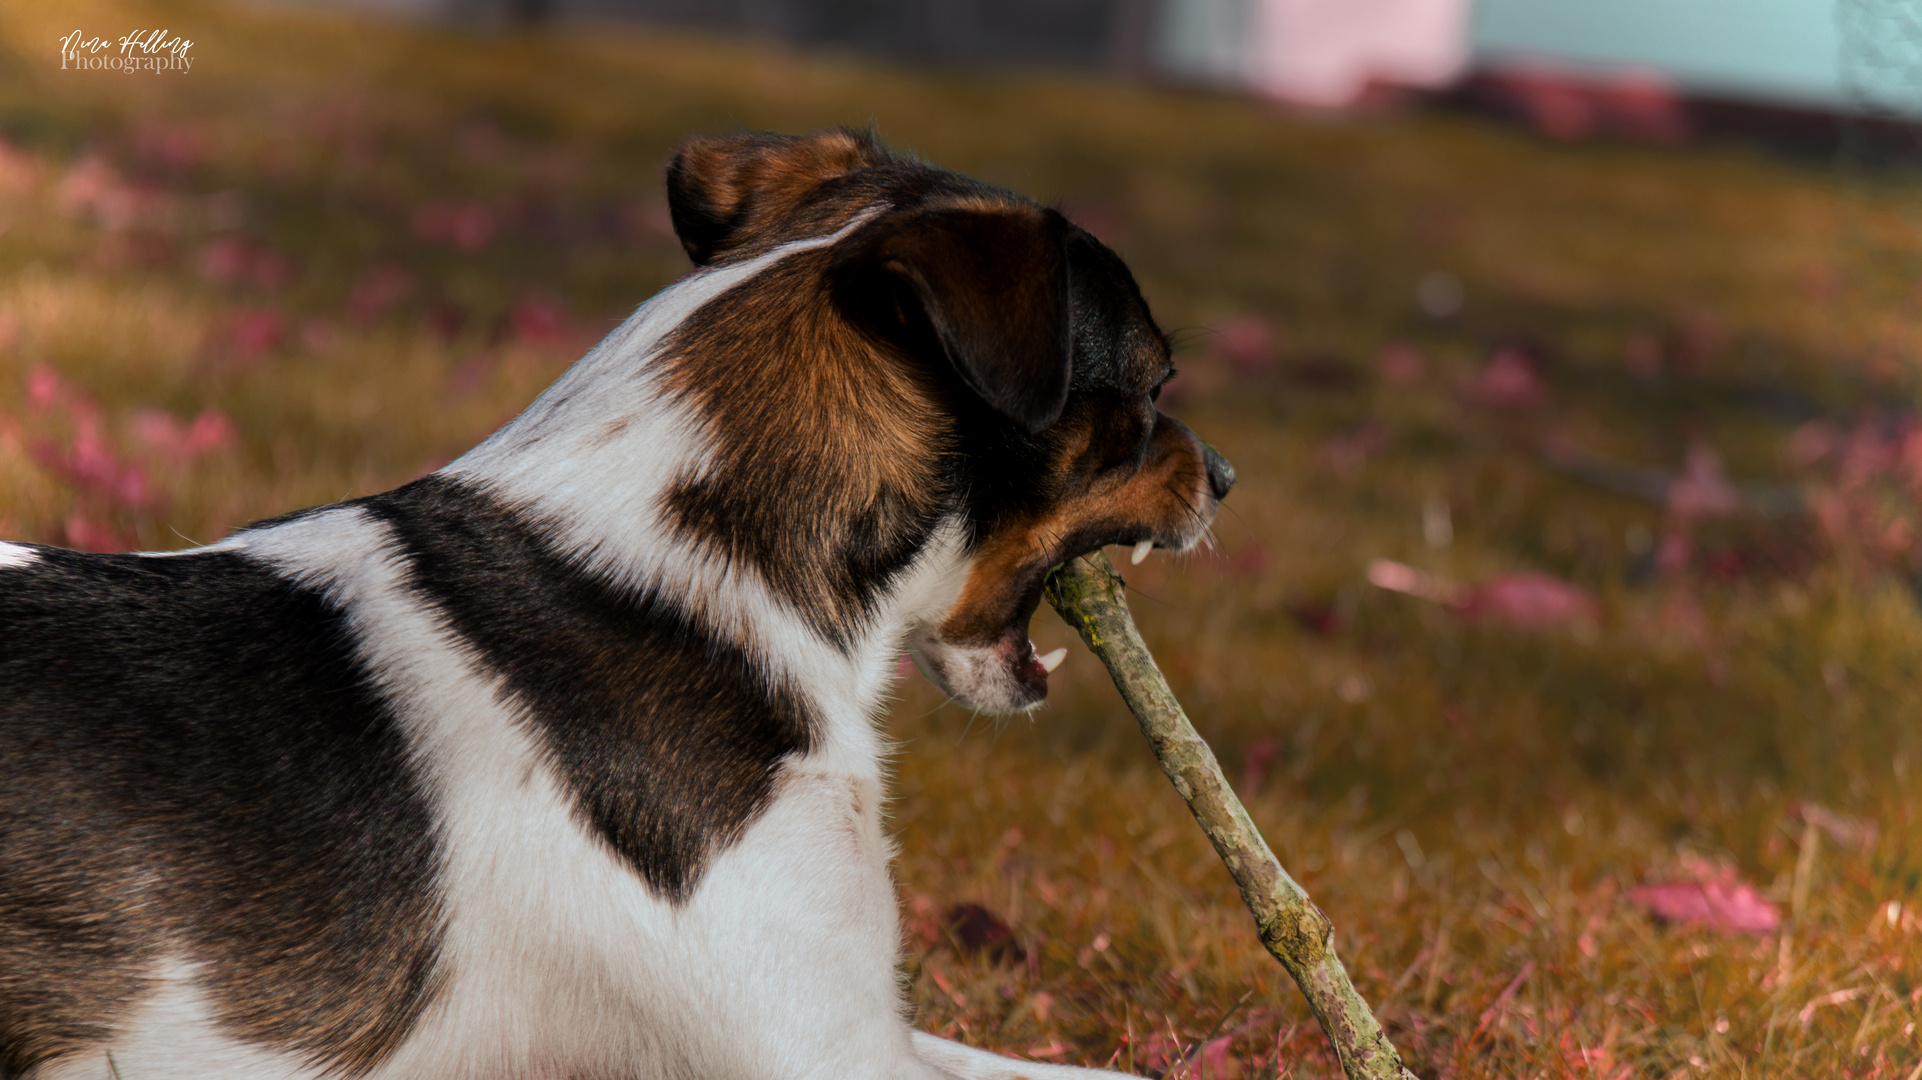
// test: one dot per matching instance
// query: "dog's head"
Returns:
(966, 356)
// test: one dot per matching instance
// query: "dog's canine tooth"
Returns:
(1141, 552)
(1050, 661)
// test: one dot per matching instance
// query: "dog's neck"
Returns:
(599, 460)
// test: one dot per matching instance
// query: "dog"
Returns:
(562, 761)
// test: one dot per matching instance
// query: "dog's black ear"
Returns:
(988, 288)
(719, 190)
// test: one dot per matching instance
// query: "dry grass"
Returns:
(354, 249)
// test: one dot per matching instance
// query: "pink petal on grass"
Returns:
(1812, 443)
(538, 319)
(471, 228)
(91, 186)
(1732, 907)
(1350, 450)
(158, 429)
(212, 430)
(234, 261)
(19, 169)
(178, 440)
(253, 334)
(224, 261)
(1702, 489)
(44, 387)
(1402, 578)
(1248, 344)
(91, 464)
(467, 226)
(1527, 599)
(1214, 1056)
(376, 291)
(1400, 364)
(171, 146)
(91, 536)
(1508, 380)
(1256, 760)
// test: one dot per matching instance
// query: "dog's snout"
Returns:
(1221, 475)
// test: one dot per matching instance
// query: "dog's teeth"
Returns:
(1141, 552)
(1050, 661)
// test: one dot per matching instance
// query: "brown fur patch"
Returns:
(737, 197)
(826, 474)
(1155, 495)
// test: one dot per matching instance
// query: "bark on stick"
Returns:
(1088, 594)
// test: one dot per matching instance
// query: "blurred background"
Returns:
(1562, 631)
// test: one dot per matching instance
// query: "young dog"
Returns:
(561, 762)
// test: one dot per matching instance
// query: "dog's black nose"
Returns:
(1221, 475)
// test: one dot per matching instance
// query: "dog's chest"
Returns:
(562, 961)
(622, 806)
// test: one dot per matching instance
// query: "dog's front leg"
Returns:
(806, 909)
(801, 918)
(788, 950)
(967, 1063)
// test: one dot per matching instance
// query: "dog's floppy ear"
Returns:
(718, 189)
(988, 288)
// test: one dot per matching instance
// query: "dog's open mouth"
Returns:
(1031, 670)
(997, 672)
(1003, 677)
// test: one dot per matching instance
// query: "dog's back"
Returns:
(199, 765)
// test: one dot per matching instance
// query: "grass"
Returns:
(341, 252)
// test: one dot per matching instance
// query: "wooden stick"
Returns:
(1088, 594)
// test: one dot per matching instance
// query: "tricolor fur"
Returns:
(562, 761)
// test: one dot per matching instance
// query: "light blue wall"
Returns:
(1818, 52)
(1789, 50)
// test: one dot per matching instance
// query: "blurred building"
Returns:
(1313, 52)
(1570, 67)
(1112, 35)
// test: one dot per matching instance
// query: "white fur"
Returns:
(603, 494)
(982, 676)
(12, 555)
(173, 1036)
(558, 960)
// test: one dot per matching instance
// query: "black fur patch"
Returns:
(668, 736)
(1119, 356)
(193, 764)
(987, 288)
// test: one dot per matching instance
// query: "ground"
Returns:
(1634, 428)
